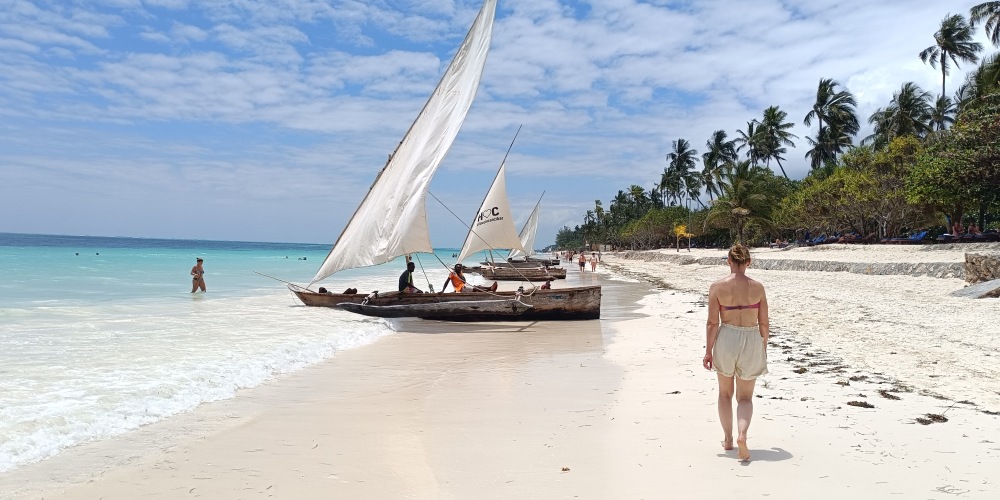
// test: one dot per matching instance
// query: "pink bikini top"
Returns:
(739, 308)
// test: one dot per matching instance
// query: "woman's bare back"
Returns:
(740, 299)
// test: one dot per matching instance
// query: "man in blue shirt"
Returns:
(406, 280)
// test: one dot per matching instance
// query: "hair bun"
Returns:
(739, 254)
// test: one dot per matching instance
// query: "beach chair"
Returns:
(819, 240)
(915, 239)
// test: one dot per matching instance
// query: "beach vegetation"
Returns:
(748, 200)
(960, 169)
(929, 161)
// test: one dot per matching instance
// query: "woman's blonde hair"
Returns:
(739, 254)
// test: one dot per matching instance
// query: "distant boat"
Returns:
(391, 220)
(527, 269)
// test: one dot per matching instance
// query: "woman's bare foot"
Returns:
(727, 443)
(744, 453)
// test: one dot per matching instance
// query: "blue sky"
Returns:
(267, 120)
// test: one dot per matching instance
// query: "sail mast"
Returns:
(493, 225)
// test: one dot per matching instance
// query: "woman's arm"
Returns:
(711, 328)
(762, 318)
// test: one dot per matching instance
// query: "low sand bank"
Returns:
(616, 408)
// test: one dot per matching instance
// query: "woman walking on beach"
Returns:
(736, 345)
(197, 277)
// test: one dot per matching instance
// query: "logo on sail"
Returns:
(489, 215)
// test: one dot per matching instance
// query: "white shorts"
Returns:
(739, 350)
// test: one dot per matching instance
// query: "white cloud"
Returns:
(329, 87)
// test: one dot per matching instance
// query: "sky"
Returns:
(267, 120)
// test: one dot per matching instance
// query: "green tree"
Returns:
(981, 82)
(718, 152)
(679, 178)
(990, 13)
(827, 146)
(865, 193)
(953, 41)
(959, 169)
(943, 113)
(835, 108)
(909, 113)
(747, 199)
(774, 131)
(751, 140)
(836, 114)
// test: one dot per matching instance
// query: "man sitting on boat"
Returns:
(457, 280)
(406, 280)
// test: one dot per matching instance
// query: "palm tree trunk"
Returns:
(782, 169)
(943, 69)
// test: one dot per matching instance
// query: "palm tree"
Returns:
(943, 114)
(774, 133)
(670, 184)
(719, 152)
(640, 203)
(989, 12)
(750, 139)
(980, 82)
(837, 109)
(745, 199)
(681, 162)
(909, 113)
(953, 41)
(828, 145)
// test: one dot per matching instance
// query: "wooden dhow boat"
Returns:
(518, 273)
(391, 220)
(520, 270)
(578, 303)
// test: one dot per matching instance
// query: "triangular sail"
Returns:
(392, 220)
(527, 236)
(493, 226)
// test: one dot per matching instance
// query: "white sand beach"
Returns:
(616, 408)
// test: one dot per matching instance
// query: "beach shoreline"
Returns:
(615, 408)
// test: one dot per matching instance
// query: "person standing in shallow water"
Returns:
(736, 346)
(198, 276)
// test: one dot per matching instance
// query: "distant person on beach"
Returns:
(958, 229)
(593, 262)
(736, 346)
(198, 276)
(457, 280)
(406, 279)
(582, 261)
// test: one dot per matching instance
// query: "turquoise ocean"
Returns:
(100, 335)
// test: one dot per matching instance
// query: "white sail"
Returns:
(392, 220)
(493, 226)
(527, 236)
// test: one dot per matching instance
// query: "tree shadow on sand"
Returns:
(772, 455)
